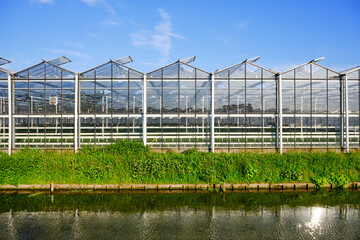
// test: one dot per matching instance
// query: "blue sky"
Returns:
(155, 33)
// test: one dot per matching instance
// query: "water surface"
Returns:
(187, 215)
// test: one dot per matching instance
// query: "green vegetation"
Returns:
(131, 162)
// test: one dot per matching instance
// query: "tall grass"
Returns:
(131, 162)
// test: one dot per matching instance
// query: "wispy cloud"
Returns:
(112, 22)
(44, 1)
(94, 35)
(69, 52)
(108, 7)
(73, 44)
(158, 39)
(242, 25)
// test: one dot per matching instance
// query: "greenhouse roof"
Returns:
(50, 69)
(172, 69)
(351, 70)
(117, 69)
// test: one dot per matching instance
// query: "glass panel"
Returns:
(334, 132)
(170, 138)
(334, 96)
(353, 88)
(202, 132)
(221, 96)
(288, 96)
(170, 96)
(253, 96)
(254, 132)
(319, 96)
(187, 71)
(3, 97)
(221, 132)
(187, 96)
(303, 103)
(154, 132)
(203, 95)
(154, 98)
(269, 97)
(4, 132)
(354, 131)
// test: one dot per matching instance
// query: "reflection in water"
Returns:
(186, 216)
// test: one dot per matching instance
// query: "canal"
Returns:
(319, 214)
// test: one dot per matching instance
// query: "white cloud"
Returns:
(158, 39)
(111, 22)
(73, 44)
(108, 7)
(94, 35)
(90, 2)
(68, 52)
(44, 1)
(241, 25)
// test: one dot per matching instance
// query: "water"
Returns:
(143, 215)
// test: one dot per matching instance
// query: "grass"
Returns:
(131, 162)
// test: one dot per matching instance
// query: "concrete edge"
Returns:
(219, 187)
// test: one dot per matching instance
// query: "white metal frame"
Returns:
(212, 112)
(76, 113)
(344, 114)
(279, 116)
(10, 140)
(144, 103)
(346, 103)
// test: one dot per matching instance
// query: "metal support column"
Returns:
(342, 112)
(76, 113)
(280, 120)
(346, 102)
(10, 131)
(144, 107)
(212, 113)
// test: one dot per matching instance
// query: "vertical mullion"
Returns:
(95, 107)
(45, 105)
(347, 113)
(212, 137)
(327, 109)
(128, 107)
(10, 131)
(342, 113)
(76, 115)
(195, 101)
(359, 104)
(61, 107)
(245, 112)
(178, 108)
(280, 117)
(295, 110)
(262, 110)
(311, 109)
(228, 110)
(161, 108)
(28, 110)
(144, 104)
(111, 105)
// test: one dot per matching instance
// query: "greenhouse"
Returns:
(180, 106)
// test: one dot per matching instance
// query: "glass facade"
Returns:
(245, 107)
(312, 107)
(110, 104)
(180, 107)
(43, 107)
(4, 110)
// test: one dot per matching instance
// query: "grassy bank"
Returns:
(131, 162)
